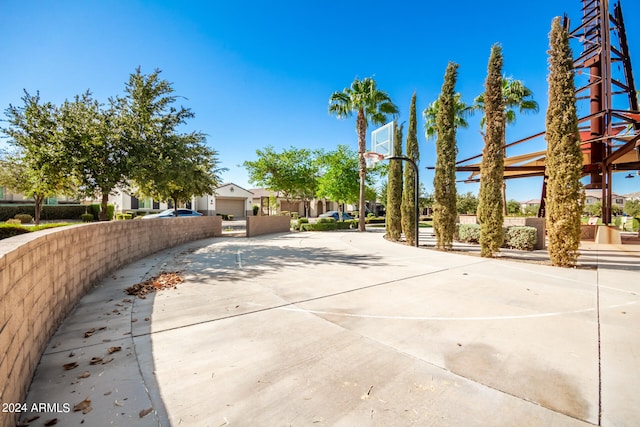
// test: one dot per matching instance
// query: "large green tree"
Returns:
(168, 164)
(632, 208)
(92, 140)
(339, 175)
(444, 182)
(394, 190)
(490, 204)
(364, 99)
(187, 168)
(565, 193)
(37, 160)
(409, 184)
(293, 172)
(467, 203)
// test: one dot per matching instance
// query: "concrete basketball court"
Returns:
(347, 329)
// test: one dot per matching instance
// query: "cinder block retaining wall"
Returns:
(44, 274)
(258, 225)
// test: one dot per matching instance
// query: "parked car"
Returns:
(171, 213)
(335, 215)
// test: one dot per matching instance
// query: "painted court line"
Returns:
(441, 318)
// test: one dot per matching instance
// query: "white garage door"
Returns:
(233, 207)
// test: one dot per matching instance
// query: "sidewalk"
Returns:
(346, 328)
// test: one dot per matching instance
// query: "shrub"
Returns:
(468, 233)
(110, 211)
(319, 226)
(24, 218)
(372, 219)
(122, 216)
(87, 217)
(256, 208)
(346, 225)
(14, 221)
(10, 230)
(95, 210)
(325, 220)
(297, 224)
(523, 238)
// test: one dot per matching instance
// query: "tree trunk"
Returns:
(103, 207)
(362, 146)
(37, 209)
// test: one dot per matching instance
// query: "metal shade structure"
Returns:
(610, 132)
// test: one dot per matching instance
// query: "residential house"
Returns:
(263, 198)
(7, 196)
(228, 199)
(593, 196)
(533, 203)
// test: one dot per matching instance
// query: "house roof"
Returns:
(597, 194)
(228, 184)
(531, 202)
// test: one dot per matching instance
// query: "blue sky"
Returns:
(260, 73)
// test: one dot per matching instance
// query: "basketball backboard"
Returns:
(382, 140)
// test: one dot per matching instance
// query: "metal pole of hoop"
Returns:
(373, 158)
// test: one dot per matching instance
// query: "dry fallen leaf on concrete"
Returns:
(85, 374)
(114, 349)
(70, 366)
(145, 412)
(90, 332)
(51, 422)
(84, 406)
(95, 360)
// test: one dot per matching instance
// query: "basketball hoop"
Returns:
(372, 158)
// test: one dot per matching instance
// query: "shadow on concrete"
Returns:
(233, 259)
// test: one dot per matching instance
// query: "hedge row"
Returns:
(323, 224)
(515, 237)
(49, 212)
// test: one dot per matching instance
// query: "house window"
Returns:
(1, 193)
(145, 203)
(619, 202)
(51, 201)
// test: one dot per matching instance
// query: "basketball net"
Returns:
(372, 158)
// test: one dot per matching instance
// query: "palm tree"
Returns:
(369, 104)
(462, 111)
(516, 95)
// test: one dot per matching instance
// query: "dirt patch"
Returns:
(164, 280)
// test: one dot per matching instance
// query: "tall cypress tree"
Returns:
(490, 212)
(408, 192)
(565, 196)
(444, 183)
(394, 189)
